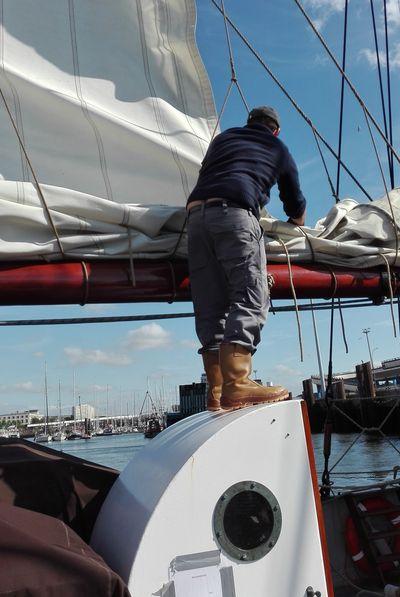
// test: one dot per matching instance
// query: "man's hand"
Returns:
(298, 221)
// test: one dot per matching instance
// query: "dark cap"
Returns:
(264, 112)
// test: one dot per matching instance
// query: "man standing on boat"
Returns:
(227, 260)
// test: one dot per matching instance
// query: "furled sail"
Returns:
(114, 108)
(114, 112)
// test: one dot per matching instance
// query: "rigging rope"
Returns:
(343, 326)
(363, 430)
(340, 146)
(300, 336)
(378, 61)
(334, 193)
(396, 232)
(350, 304)
(37, 184)
(233, 81)
(290, 98)
(234, 78)
(389, 93)
(342, 99)
(348, 81)
(328, 427)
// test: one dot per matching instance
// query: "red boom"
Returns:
(111, 282)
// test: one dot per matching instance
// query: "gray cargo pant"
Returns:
(228, 276)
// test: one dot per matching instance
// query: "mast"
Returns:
(80, 408)
(120, 409)
(107, 423)
(59, 403)
(73, 398)
(46, 398)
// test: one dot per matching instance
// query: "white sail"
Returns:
(111, 100)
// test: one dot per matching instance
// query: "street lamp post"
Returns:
(366, 332)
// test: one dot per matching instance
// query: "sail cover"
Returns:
(114, 108)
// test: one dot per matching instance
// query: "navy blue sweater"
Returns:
(243, 163)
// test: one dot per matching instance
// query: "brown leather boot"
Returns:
(214, 378)
(238, 390)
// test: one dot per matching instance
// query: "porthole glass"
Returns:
(247, 521)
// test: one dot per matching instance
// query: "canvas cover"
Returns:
(75, 488)
(42, 557)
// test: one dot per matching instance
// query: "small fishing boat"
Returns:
(153, 428)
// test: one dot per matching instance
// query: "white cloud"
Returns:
(98, 388)
(285, 370)
(323, 10)
(395, 57)
(333, 5)
(20, 388)
(99, 307)
(151, 335)
(189, 343)
(38, 354)
(370, 56)
(393, 13)
(79, 356)
(24, 386)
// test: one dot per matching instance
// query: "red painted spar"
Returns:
(156, 280)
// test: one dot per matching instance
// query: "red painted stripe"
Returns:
(317, 498)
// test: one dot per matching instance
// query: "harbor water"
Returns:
(371, 459)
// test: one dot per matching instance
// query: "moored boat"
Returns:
(42, 438)
(59, 436)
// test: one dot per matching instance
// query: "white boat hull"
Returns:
(159, 525)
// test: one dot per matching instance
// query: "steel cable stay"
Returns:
(389, 92)
(234, 77)
(378, 62)
(341, 112)
(233, 81)
(349, 304)
(328, 426)
(342, 99)
(333, 191)
(393, 220)
(348, 81)
(362, 431)
(326, 482)
(306, 118)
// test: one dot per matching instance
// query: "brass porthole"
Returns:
(247, 521)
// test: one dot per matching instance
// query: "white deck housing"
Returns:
(156, 526)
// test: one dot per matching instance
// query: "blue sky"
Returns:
(131, 357)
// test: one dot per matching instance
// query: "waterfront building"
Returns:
(24, 417)
(386, 377)
(83, 411)
(192, 398)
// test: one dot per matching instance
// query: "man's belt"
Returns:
(195, 206)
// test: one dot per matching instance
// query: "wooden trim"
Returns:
(317, 498)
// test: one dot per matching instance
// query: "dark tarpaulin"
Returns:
(44, 494)
(41, 556)
(38, 478)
